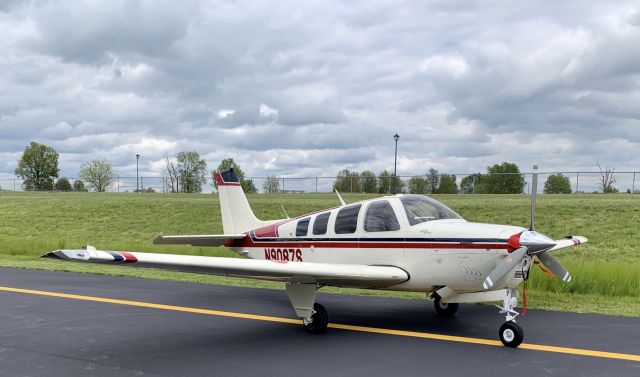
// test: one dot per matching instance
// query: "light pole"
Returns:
(137, 172)
(395, 161)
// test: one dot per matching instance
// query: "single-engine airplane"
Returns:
(399, 243)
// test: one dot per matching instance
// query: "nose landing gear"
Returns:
(511, 334)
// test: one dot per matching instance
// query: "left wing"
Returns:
(197, 239)
(339, 275)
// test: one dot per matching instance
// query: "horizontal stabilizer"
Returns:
(197, 239)
(339, 275)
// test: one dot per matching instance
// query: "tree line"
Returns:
(186, 172)
(502, 178)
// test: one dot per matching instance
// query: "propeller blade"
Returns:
(554, 266)
(504, 266)
(534, 194)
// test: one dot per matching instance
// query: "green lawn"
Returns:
(606, 270)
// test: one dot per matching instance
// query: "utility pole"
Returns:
(137, 172)
(395, 161)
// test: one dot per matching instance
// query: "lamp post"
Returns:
(137, 173)
(395, 161)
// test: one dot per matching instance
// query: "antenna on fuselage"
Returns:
(340, 197)
(283, 210)
(534, 193)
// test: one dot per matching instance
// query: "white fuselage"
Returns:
(435, 253)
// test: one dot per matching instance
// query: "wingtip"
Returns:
(158, 239)
(51, 255)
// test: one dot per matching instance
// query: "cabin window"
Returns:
(320, 223)
(380, 218)
(302, 227)
(420, 209)
(347, 219)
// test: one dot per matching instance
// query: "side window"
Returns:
(302, 227)
(380, 218)
(347, 219)
(320, 223)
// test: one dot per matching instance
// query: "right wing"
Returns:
(568, 242)
(339, 275)
(197, 239)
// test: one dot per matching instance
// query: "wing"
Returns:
(568, 242)
(339, 275)
(197, 240)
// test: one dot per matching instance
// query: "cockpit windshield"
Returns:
(420, 209)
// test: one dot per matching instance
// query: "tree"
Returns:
(388, 183)
(447, 184)
(504, 178)
(433, 180)
(369, 182)
(63, 184)
(247, 185)
(171, 169)
(473, 184)
(557, 184)
(607, 179)
(417, 185)
(347, 181)
(78, 185)
(98, 174)
(271, 184)
(191, 171)
(38, 166)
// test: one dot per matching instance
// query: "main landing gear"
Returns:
(314, 316)
(444, 309)
(511, 334)
(317, 323)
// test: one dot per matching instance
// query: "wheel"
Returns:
(319, 320)
(444, 309)
(511, 334)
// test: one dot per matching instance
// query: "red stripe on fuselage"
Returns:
(248, 242)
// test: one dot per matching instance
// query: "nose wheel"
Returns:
(511, 334)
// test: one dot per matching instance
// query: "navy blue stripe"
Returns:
(117, 257)
(396, 239)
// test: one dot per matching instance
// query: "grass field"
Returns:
(606, 270)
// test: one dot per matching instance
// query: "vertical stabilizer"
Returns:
(237, 216)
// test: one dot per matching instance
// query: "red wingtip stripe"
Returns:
(128, 257)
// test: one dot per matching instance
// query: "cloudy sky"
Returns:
(308, 88)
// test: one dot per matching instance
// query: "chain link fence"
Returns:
(581, 182)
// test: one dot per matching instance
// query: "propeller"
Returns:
(528, 243)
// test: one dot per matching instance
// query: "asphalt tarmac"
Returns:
(203, 330)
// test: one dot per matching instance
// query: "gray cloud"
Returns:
(309, 89)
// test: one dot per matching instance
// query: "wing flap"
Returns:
(340, 275)
(197, 239)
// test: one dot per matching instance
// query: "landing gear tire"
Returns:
(319, 320)
(444, 309)
(511, 334)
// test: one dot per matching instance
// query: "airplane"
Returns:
(401, 242)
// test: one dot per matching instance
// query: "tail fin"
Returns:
(237, 216)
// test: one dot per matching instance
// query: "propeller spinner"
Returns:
(528, 243)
